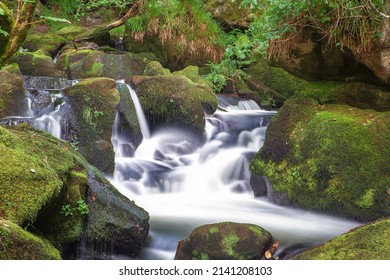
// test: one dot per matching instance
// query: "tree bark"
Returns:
(133, 9)
(25, 15)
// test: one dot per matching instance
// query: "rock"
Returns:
(225, 241)
(368, 242)
(154, 68)
(97, 35)
(94, 103)
(11, 92)
(48, 42)
(329, 158)
(175, 101)
(272, 85)
(66, 200)
(93, 63)
(6, 23)
(259, 185)
(29, 246)
(37, 63)
(312, 58)
(115, 226)
(230, 13)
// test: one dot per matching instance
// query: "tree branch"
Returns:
(129, 14)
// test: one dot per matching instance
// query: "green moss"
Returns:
(96, 69)
(369, 242)
(213, 230)
(154, 68)
(47, 42)
(229, 242)
(334, 159)
(18, 244)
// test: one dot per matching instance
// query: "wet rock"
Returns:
(94, 103)
(368, 242)
(225, 241)
(175, 101)
(328, 158)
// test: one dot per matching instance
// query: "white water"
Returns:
(183, 186)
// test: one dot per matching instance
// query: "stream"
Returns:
(183, 184)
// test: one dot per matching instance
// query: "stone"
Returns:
(225, 241)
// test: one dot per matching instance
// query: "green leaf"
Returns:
(3, 32)
(56, 19)
(2, 12)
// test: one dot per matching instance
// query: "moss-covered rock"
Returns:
(369, 242)
(98, 35)
(94, 103)
(37, 63)
(115, 225)
(11, 91)
(154, 68)
(272, 85)
(18, 244)
(329, 158)
(175, 100)
(225, 241)
(92, 63)
(48, 42)
(6, 25)
(48, 188)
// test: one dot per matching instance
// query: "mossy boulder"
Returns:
(272, 85)
(6, 25)
(93, 63)
(115, 225)
(11, 91)
(38, 63)
(94, 103)
(18, 244)
(369, 242)
(48, 188)
(98, 35)
(230, 13)
(48, 42)
(154, 68)
(225, 241)
(329, 158)
(175, 101)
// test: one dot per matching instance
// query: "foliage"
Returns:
(341, 23)
(82, 207)
(238, 56)
(66, 210)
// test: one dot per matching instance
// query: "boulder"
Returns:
(18, 244)
(11, 92)
(329, 158)
(37, 63)
(175, 101)
(225, 241)
(87, 63)
(94, 103)
(97, 35)
(309, 56)
(48, 187)
(368, 242)
(49, 42)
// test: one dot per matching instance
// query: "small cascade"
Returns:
(231, 103)
(46, 104)
(183, 185)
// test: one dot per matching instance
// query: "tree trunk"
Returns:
(25, 14)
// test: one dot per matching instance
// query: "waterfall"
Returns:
(46, 104)
(183, 185)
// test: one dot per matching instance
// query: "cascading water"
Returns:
(183, 186)
(46, 104)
